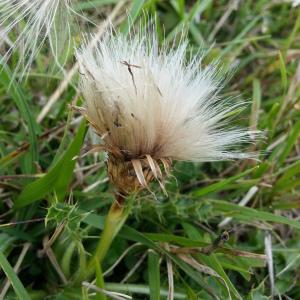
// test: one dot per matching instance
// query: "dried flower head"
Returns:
(151, 105)
(34, 22)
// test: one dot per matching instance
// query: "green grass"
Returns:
(39, 181)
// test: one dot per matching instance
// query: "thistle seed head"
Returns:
(151, 105)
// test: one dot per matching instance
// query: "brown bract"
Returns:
(126, 172)
(128, 176)
(135, 174)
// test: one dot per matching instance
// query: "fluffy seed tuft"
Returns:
(151, 105)
(36, 21)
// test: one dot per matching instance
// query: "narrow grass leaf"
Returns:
(251, 214)
(216, 187)
(212, 262)
(154, 275)
(20, 99)
(240, 36)
(93, 4)
(13, 278)
(287, 177)
(254, 118)
(135, 11)
(290, 143)
(197, 9)
(283, 72)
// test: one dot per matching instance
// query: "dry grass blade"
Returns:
(243, 202)
(49, 252)
(16, 269)
(63, 85)
(132, 271)
(240, 253)
(233, 5)
(170, 275)
(120, 258)
(269, 254)
(91, 149)
(204, 250)
(199, 267)
(112, 295)
(204, 269)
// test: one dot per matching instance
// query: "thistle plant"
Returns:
(160, 107)
(152, 105)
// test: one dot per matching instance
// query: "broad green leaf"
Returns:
(58, 177)
(179, 240)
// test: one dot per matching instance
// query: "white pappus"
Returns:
(34, 22)
(153, 105)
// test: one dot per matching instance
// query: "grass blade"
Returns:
(13, 278)
(154, 275)
(16, 93)
(251, 214)
(215, 187)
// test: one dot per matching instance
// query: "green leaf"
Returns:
(92, 4)
(154, 275)
(195, 10)
(16, 93)
(179, 240)
(13, 278)
(240, 36)
(216, 187)
(290, 143)
(58, 177)
(212, 262)
(250, 214)
(283, 72)
(256, 102)
(287, 178)
(135, 11)
(133, 235)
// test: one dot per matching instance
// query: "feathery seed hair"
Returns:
(151, 105)
(38, 20)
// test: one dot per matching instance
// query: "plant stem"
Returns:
(114, 221)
